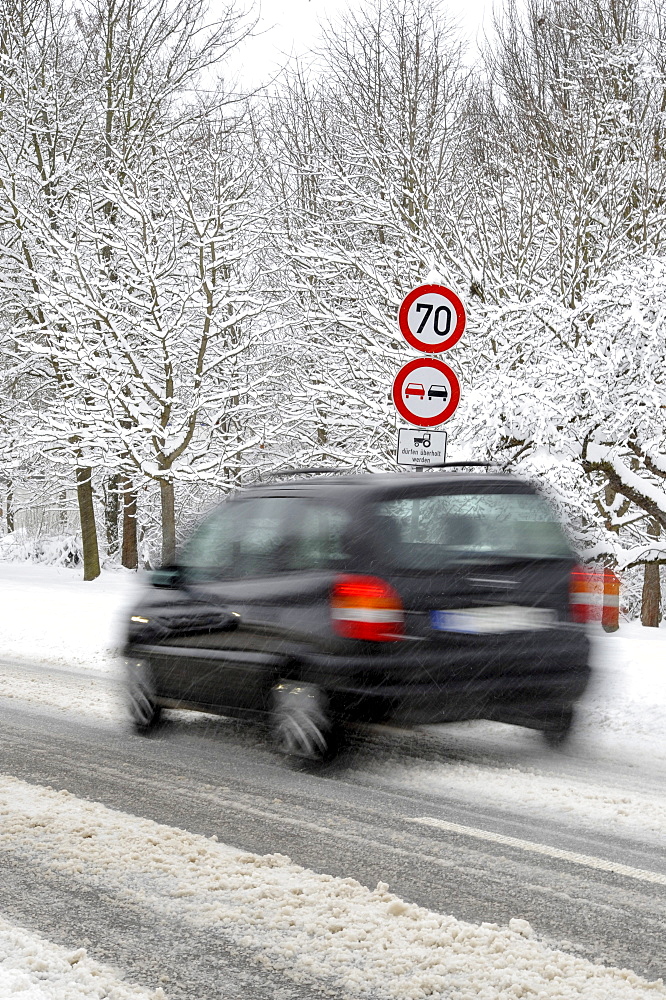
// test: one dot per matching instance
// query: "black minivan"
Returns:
(404, 597)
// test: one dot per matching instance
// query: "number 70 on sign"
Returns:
(432, 318)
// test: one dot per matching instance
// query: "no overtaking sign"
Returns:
(426, 392)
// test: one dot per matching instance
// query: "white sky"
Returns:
(291, 27)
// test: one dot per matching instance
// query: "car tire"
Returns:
(302, 727)
(144, 711)
(559, 727)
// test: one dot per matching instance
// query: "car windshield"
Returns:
(428, 532)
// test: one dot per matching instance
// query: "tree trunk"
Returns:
(129, 555)
(651, 600)
(84, 495)
(111, 513)
(168, 522)
(63, 510)
(9, 508)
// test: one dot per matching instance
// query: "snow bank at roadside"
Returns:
(49, 615)
(311, 927)
(627, 696)
(32, 968)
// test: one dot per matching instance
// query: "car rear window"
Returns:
(427, 532)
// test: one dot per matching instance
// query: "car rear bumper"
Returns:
(522, 682)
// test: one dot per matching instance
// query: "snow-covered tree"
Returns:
(89, 100)
(161, 313)
(363, 157)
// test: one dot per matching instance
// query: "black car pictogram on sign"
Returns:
(440, 391)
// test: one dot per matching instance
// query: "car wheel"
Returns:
(301, 724)
(144, 711)
(559, 727)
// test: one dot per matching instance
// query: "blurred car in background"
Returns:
(404, 598)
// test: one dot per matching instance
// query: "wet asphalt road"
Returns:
(214, 777)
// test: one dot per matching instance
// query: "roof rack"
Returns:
(316, 470)
(328, 470)
(448, 465)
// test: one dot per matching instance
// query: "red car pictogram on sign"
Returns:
(414, 389)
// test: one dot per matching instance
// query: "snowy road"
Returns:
(386, 813)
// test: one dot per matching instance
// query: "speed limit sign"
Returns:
(432, 318)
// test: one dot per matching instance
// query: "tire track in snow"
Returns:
(195, 774)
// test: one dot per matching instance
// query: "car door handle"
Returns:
(160, 627)
(204, 621)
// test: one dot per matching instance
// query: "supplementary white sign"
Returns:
(422, 447)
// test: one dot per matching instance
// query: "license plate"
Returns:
(502, 618)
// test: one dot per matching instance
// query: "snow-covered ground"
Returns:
(525, 790)
(32, 968)
(49, 615)
(308, 926)
(627, 699)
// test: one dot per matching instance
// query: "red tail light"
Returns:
(366, 607)
(586, 594)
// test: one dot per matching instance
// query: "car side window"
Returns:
(317, 536)
(212, 550)
(262, 538)
(241, 539)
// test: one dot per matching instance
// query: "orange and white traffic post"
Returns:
(595, 597)
(610, 609)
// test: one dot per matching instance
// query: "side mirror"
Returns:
(170, 577)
